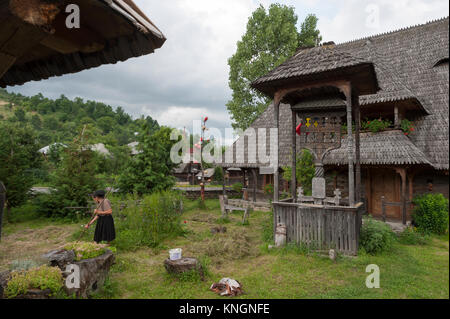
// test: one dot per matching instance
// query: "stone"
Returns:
(280, 235)
(183, 265)
(93, 273)
(59, 258)
(332, 254)
(319, 188)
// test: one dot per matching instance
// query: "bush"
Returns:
(157, 218)
(85, 250)
(24, 213)
(42, 278)
(410, 236)
(237, 187)
(268, 189)
(431, 213)
(376, 236)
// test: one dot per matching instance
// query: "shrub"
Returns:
(375, 126)
(85, 250)
(157, 218)
(268, 189)
(23, 213)
(431, 213)
(410, 236)
(237, 187)
(42, 278)
(376, 236)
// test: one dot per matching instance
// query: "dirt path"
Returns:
(30, 243)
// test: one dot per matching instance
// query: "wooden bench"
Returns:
(225, 208)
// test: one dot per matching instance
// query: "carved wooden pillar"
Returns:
(351, 172)
(294, 156)
(276, 173)
(357, 109)
(396, 117)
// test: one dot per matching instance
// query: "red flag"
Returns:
(299, 129)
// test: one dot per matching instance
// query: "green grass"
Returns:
(407, 271)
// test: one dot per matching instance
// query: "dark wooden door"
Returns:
(385, 182)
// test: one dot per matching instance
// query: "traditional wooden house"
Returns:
(398, 162)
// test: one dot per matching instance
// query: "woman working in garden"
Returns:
(104, 230)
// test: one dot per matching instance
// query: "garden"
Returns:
(413, 264)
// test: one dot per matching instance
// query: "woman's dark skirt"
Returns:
(105, 231)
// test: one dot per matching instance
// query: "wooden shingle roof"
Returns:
(38, 45)
(383, 148)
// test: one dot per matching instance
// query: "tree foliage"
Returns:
(305, 171)
(18, 157)
(271, 38)
(150, 170)
(75, 177)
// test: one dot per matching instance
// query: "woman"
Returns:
(104, 230)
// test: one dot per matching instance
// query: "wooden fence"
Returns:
(321, 227)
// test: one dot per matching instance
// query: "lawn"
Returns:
(242, 254)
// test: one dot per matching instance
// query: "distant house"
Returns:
(412, 67)
(134, 148)
(208, 175)
(187, 170)
(46, 150)
(101, 149)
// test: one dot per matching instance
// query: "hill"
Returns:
(62, 119)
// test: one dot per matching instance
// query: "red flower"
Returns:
(406, 134)
(185, 222)
(368, 122)
(412, 129)
(206, 119)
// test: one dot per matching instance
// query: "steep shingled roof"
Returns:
(383, 148)
(404, 61)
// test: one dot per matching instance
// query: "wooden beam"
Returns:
(357, 109)
(396, 117)
(294, 156)
(6, 62)
(224, 190)
(351, 173)
(276, 178)
(255, 183)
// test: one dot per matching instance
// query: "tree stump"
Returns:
(183, 265)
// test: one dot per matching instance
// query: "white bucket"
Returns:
(175, 254)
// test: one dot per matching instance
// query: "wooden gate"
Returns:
(321, 227)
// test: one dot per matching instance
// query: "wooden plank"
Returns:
(6, 62)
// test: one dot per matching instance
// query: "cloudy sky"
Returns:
(188, 77)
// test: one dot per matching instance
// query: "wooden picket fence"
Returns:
(321, 227)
